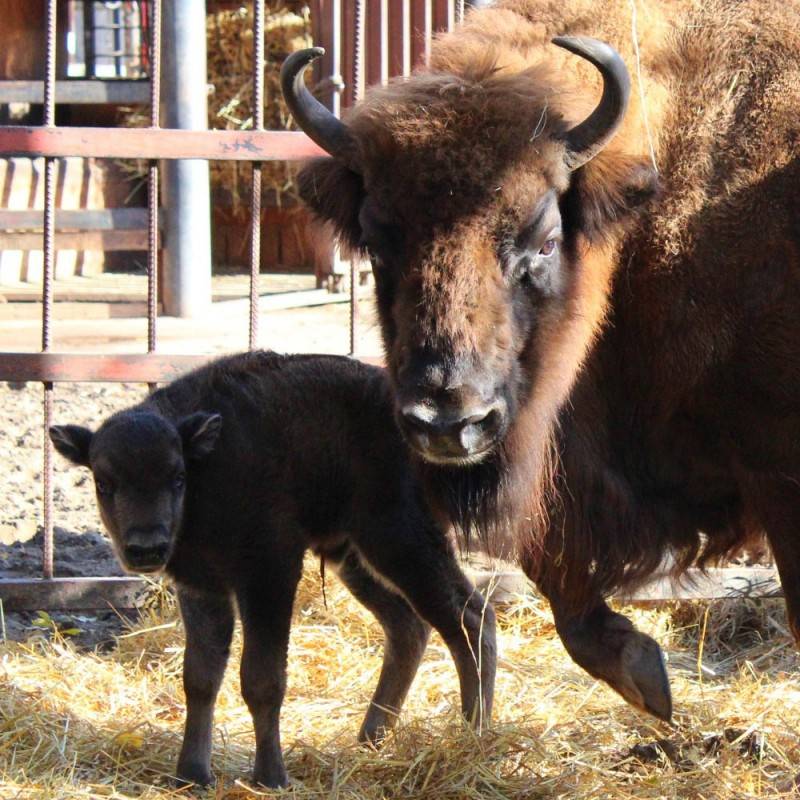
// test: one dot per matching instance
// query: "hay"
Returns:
(108, 725)
(229, 37)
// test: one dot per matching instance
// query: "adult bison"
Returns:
(605, 372)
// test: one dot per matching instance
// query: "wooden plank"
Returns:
(376, 43)
(75, 594)
(152, 143)
(79, 240)
(718, 584)
(90, 367)
(114, 92)
(443, 15)
(421, 30)
(82, 219)
(398, 12)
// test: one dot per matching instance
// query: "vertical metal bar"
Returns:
(459, 11)
(358, 64)
(336, 54)
(186, 253)
(152, 179)
(47, 285)
(255, 198)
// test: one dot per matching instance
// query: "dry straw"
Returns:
(108, 725)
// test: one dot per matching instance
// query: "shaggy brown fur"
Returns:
(675, 336)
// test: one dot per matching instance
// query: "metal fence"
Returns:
(366, 40)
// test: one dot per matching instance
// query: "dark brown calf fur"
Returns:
(630, 358)
(227, 476)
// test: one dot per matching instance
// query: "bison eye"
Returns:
(548, 248)
(104, 488)
(179, 481)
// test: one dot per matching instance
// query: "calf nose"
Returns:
(440, 437)
(147, 548)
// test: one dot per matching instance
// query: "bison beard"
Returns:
(651, 367)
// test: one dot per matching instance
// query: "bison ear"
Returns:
(199, 433)
(607, 191)
(72, 441)
(334, 193)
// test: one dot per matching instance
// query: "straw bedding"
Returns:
(89, 725)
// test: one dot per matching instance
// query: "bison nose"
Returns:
(452, 438)
(147, 548)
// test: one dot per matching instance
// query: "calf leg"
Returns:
(265, 605)
(609, 648)
(406, 638)
(208, 620)
(419, 562)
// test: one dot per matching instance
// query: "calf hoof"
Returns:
(609, 648)
(272, 776)
(373, 735)
(193, 774)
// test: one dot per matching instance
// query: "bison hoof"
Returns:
(609, 648)
(643, 679)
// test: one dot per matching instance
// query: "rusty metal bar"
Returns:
(102, 368)
(152, 179)
(357, 88)
(30, 594)
(48, 246)
(164, 143)
(255, 197)
(93, 367)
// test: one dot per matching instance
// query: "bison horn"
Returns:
(314, 119)
(588, 138)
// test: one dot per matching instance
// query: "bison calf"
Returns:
(226, 477)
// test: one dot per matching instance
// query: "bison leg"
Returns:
(609, 648)
(418, 561)
(406, 639)
(777, 501)
(208, 620)
(265, 605)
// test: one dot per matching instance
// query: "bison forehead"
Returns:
(447, 145)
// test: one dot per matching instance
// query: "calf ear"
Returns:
(199, 433)
(72, 441)
(334, 193)
(607, 191)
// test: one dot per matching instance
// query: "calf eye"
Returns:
(548, 247)
(103, 488)
(179, 481)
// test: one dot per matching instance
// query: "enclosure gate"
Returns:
(367, 41)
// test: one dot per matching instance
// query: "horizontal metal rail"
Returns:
(721, 583)
(149, 143)
(75, 92)
(75, 594)
(93, 367)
